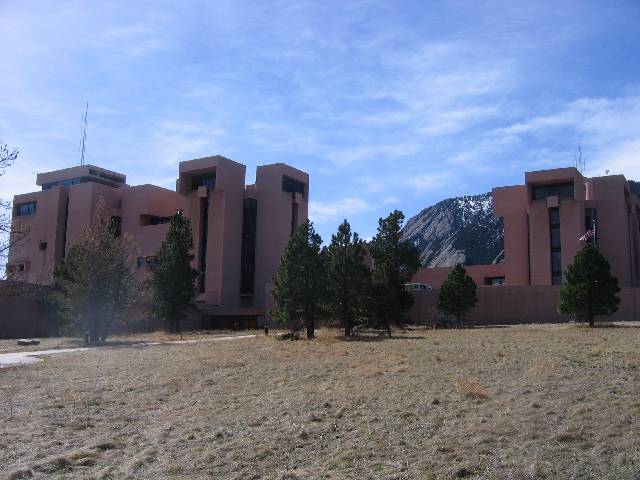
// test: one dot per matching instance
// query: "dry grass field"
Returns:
(508, 403)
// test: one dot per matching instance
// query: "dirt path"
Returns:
(25, 358)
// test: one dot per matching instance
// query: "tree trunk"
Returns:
(310, 330)
(591, 321)
(94, 336)
(348, 326)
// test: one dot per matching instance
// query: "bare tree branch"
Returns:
(9, 234)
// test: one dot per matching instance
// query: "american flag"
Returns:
(586, 236)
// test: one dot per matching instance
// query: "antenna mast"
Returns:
(83, 134)
(579, 161)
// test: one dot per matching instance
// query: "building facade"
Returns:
(239, 231)
(544, 220)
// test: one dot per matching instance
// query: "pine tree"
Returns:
(394, 263)
(457, 294)
(589, 287)
(173, 276)
(348, 278)
(97, 283)
(300, 280)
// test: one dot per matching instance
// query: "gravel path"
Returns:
(25, 358)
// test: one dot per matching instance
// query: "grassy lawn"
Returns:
(513, 403)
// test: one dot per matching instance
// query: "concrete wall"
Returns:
(148, 200)
(518, 305)
(274, 220)
(21, 314)
(436, 276)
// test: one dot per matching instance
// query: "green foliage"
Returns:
(300, 280)
(457, 294)
(589, 287)
(395, 262)
(348, 277)
(97, 284)
(173, 276)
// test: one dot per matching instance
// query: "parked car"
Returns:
(417, 287)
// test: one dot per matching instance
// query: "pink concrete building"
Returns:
(239, 231)
(543, 222)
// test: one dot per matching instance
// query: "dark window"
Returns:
(204, 207)
(159, 220)
(248, 258)
(77, 180)
(292, 186)
(555, 238)
(23, 209)
(294, 217)
(208, 180)
(42, 246)
(494, 281)
(151, 261)
(108, 176)
(116, 226)
(556, 246)
(556, 262)
(70, 181)
(590, 223)
(561, 190)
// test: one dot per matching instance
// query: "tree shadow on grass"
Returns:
(604, 325)
(378, 338)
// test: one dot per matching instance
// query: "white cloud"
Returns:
(624, 159)
(175, 141)
(324, 212)
(428, 181)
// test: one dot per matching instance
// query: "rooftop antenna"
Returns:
(83, 133)
(579, 161)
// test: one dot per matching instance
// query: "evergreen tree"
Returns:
(97, 284)
(300, 280)
(457, 294)
(348, 278)
(589, 287)
(394, 263)
(173, 276)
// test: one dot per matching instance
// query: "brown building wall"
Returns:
(21, 313)
(142, 203)
(520, 305)
(480, 273)
(273, 231)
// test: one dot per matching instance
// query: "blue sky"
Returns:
(386, 104)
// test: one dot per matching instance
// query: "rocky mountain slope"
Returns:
(461, 230)
(457, 230)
